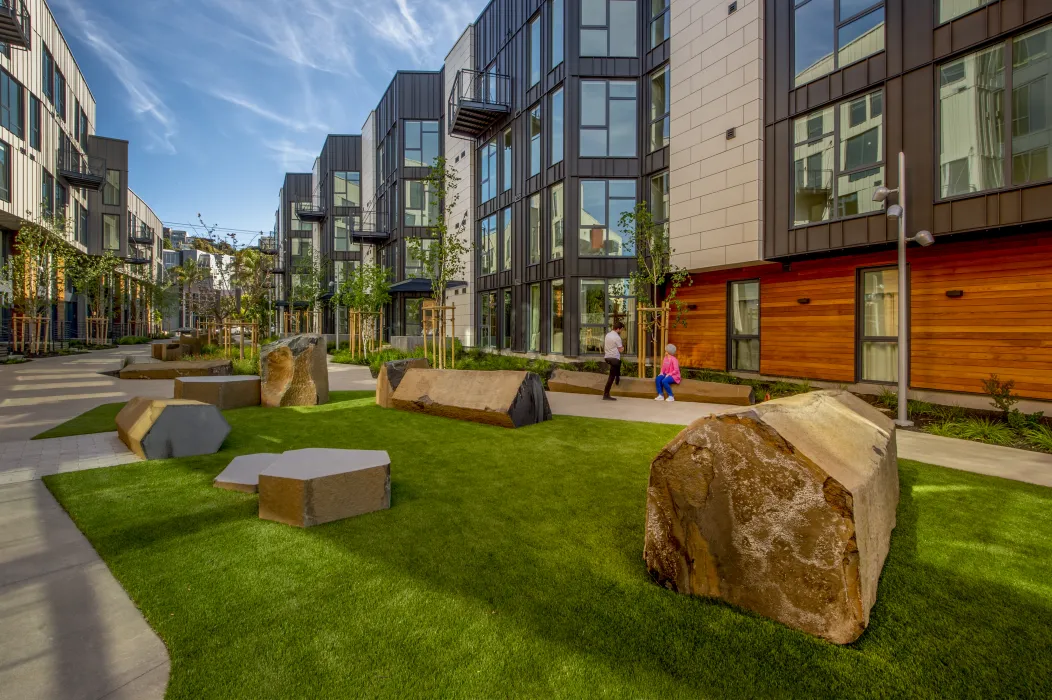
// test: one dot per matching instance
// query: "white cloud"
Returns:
(288, 122)
(292, 156)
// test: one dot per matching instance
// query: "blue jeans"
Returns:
(664, 382)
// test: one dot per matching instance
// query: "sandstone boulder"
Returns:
(509, 399)
(785, 508)
(565, 381)
(180, 368)
(225, 392)
(163, 428)
(391, 374)
(314, 486)
(294, 372)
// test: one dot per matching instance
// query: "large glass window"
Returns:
(488, 245)
(659, 109)
(343, 228)
(533, 314)
(658, 201)
(743, 326)
(608, 28)
(535, 50)
(47, 75)
(299, 224)
(557, 126)
(48, 192)
(12, 97)
(602, 302)
(111, 190)
(508, 310)
(558, 317)
(505, 244)
(60, 94)
(949, 9)
(488, 171)
(837, 182)
(414, 266)
(534, 233)
(5, 171)
(830, 34)
(488, 320)
(602, 204)
(659, 22)
(346, 189)
(83, 127)
(608, 118)
(111, 227)
(34, 122)
(421, 143)
(506, 157)
(558, 219)
(1032, 107)
(878, 339)
(414, 316)
(421, 203)
(535, 140)
(558, 32)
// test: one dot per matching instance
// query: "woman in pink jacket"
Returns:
(669, 374)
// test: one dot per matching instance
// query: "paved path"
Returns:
(27, 460)
(1006, 462)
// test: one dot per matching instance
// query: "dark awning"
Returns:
(419, 285)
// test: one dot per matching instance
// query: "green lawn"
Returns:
(96, 420)
(510, 565)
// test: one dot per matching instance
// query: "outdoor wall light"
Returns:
(955, 293)
(882, 193)
(805, 300)
(924, 238)
(894, 211)
(692, 307)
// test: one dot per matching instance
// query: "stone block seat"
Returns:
(785, 508)
(181, 368)
(235, 391)
(692, 390)
(510, 399)
(309, 487)
(242, 474)
(163, 428)
(166, 350)
(391, 374)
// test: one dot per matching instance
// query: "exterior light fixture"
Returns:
(894, 211)
(924, 239)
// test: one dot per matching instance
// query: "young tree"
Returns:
(444, 258)
(366, 290)
(91, 275)
(189, 275)
(307, 287)
(251, 280)
(164, 300)
(654, 259)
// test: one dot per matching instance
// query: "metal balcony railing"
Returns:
(143, 236)
(81, 170)
(313, 211)
(268, 245)
(15, 25)
(477, 101)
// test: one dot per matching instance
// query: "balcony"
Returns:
(268, 245)
(278, 269)
(477, 102)
(79, 170)
(141, 237)
(376, 227)
(15, 28)
(313, 211)
(135, 258)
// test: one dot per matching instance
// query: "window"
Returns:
(949, 9)
(111, 226)
(831, 182)
(1031, 107)
(602, 204)
(658, 201)
(534, 237)
(506, 156)
(533, 313)
(830, 34)
(602, 302)
(5, 171)
(558, 216)
(346, 189)
(743, 326)
(11, 99)
(47, 191)
(558, 32)
(535, 140)
(299, 224)
(34, 122)
(659, 109)
(343, 228)
(111, 190)
(659, 22)
(488, 320)
(488, 171)
(608, 28)
(421, 203)
(47, 77)
(505, 244)
(488, 245)
(76, 120)
(558, 317)
(84, 225)
(608, 118)
(61, 199)
(414, 266)
(557, 126)
(878, 337)
(60, 94)
(301, 250)
(421, 143)
(535, 50)
(83, 127)
(508, 320)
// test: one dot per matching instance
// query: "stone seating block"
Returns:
(391, 374)
(309, 487)
(785, 508)
(163, 428)
(294, 371)
(166, 350)
(242, 474)
(235, 391)
(181, 368)
(565, 381)
(510, 399)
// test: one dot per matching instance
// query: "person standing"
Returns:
(669, 374)
(613, 346)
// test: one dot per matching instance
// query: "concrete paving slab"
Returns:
(992, 460)
(641, 410)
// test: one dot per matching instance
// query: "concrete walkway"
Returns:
(992, 460)
(27, 460)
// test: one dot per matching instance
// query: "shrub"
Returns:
(919, 408)
(249, 365)
(132, 340)
(948, 414)
(976, 429)
(1039, 437)
(591, 366)
(888, 399)
(1000, 393)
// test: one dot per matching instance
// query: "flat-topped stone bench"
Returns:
(166, 350)
(391, 374)
(242, 474)
(508, 398)
(235, 391)
(163, 428)
(692, 390)
(181, 368)
(309, 487)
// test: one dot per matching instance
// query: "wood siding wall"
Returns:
(1002, 324)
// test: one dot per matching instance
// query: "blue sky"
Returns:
(219, 98)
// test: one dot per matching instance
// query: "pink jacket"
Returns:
(670, 367)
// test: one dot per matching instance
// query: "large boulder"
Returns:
(236, 391)
(391, 374)
(568, 382)
(294, 372)
(509, 399)
(785, 508)
(163, 428)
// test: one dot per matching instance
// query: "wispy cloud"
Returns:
(292, 156)
(400, 26)
(289, 122)
(145, 101)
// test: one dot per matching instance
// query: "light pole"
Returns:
(925, 239)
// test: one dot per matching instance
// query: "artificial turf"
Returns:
(510, 565)
(96, 420)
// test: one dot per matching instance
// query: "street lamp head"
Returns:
(881, 194)
(924, 238)
(894, 211)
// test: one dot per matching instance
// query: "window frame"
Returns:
(534, 50)
(556, 252)
(530, 308)
(665, 118)
(582, 27)
(733, 336)
(8, 85)
(838, 24)
(488, 175)
(47, 193)
(117, 228)
(535, 117)
(36, 123)
(938, 17)
(608, 224)
(419, 271)
(420, 162)
(429, 211)
(507, 318)
(664, 16)
(860, 323)
(505, 238)
(631, 315)
(5, 171)
(534, 249)
(558, 125)
(557, 32)
(554, 284)
(493, 317)
(488, 231)
(608, 127)
(507, 155)
(353, 224)
(336, 194)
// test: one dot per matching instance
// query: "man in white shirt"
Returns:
(613, 346)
